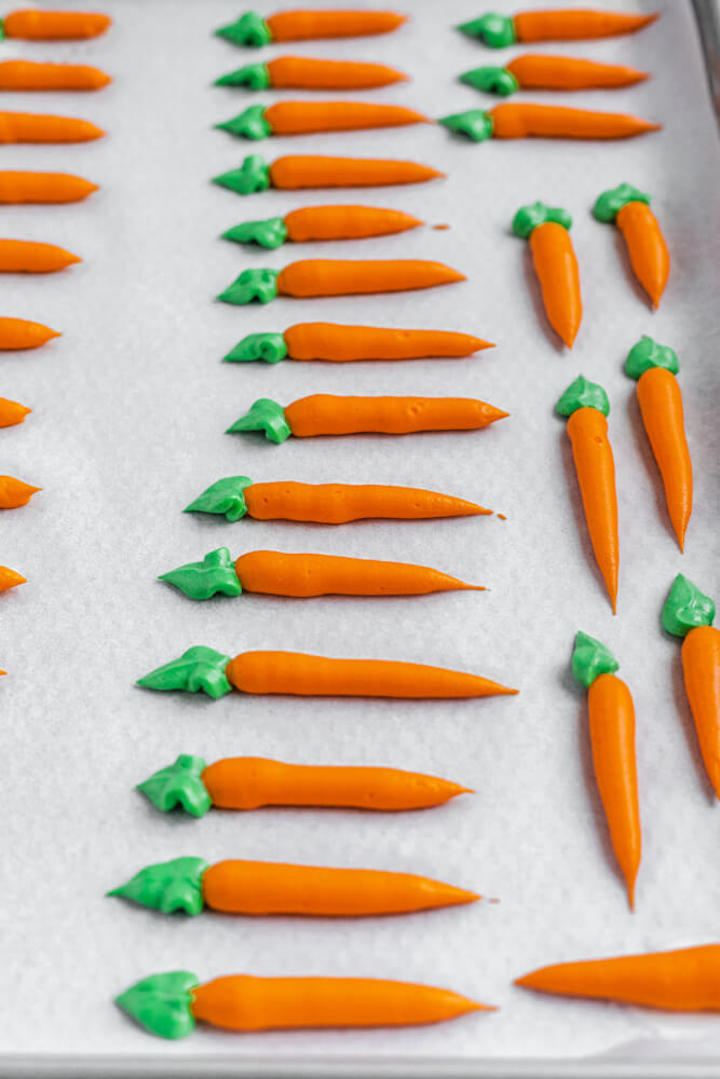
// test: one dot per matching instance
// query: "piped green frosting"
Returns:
(491, 80)
(162, 1003)
(611, 202)
(2, 30)
(254, 76)
(496, 31)
(250, 124)
(583, 394)
(538, 213)
(198, 669)
(252, 176)
(590, 659)
(201, 580)
(648, 353)
(260, 285)
(167, 886)
(268, 347)
(179, 785)
(264, 415)
(686, 608)
(225, 497)
(269, 233)
(250, 29)
(475, 123)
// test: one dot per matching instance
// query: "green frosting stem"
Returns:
(250, 29)
(648, 353)
(250, 124)
(610, 203)
(2, 31)
(491, 80)
(264, 415)
(260, 285)
(583, 394)
(269, 233)
(475, 123)
(254, 76)
(252, 176)
(538, 213)
(225, 497)
(199, 668)
(269, 347)
(162, 1003)
(686, 608)
(180, 784)
(590, 659)
(496, 31)
(201, 580)
(167, 886)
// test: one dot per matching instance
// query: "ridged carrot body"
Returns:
(306, 117)
(12, 413)
(33, 25)
(33, 127)
(344, 344)
(42, 187)
(345, 222)
(629, 209)
(535, 71)
(684, 980)
(339, 503)
(10, 579)
(344, 277)
(305, 25)
(18, 333)
(303, 73)
(28, 75)
(295, 172)
(568, 24)
(548, 231)
(519, 121)
(24, 256)
(15, 493)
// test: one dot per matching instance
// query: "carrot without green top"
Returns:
(15, 493)
(296, 172)
(24, 256)
(305, 117)
(36, 25)
(18, 333)
(340, 277)
(33, 127)
(548, 231)
(43, 187)
(303, 25)
(343, 344)
(9, 579)
(300, 72)
(28, 75)
(12, 413)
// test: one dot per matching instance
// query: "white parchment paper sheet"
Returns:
(129, 409)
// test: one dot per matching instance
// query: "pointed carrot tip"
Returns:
(3, 672)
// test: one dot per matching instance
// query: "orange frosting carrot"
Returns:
(300, 72)
(340, 344)
(548, 231)
(18, 333)
(9, 579)
(326, 414)
(36, 128)
(36, 25)
(646, 247)
(701, 674)
(339, 277)
(12, 413)
(568, 24)
(345, 222)
(536, 71)
(24, 256)
(304, 25)
(298, 171)
(15, 493)
(43, 187)
(338, 503)
(28, 75)
(517, 121)
(306, 117)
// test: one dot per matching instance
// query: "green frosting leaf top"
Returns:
(496, 31)
(260, 285)
(250, 29)
(264, 415)
(538, 213)
(583, 394)
(252, 176)
(254, 76)
(475, 123)
(201, 580)
(162, 1003)
(224, 497)
(250, 124)
(491, 80)
(590, 659)
(200, 668)
(269, 233)
(167, 886)
(611, 202)
(2, 31)
(686, 608)
(180, 784)
(269, 347)
(648, 353)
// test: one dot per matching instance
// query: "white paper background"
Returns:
(129, 409)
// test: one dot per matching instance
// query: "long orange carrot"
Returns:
(10, 579)
(29, 75)
(586, 405)
(661, 406)
(612, 738)
(18, 333)
(521, 121)
(629, 209)
(303, 73)
(15, 493)
(563, 24)
(535, 71)
(12, 413)
(36, 25)
(548, 230)
(35, 128)
(311, 117)
(345, 344)
(295, 172)
(43, 187)
(252, 29)
(247, 783)
(322, 223)
(24, 256)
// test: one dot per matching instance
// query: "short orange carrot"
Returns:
(35, 128)
(245, 783)
(310, 117)
(252, 29)
(612, 739)
(29, 75)
(297, 171)
(43, 187)
(322, 223)
(33, 25)
(24, 256)
(563, 24)
(548, 230)
(18, 333)
(586, 405)
(12, 413)
(15, 493)
(535, 71)
(629, 209)
(303, 73)
(522, 121)
(10, 579)
(344, 344)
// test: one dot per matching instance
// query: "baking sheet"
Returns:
(129, 409)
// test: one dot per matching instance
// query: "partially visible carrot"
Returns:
(303, 73)
(295, 172)
(36, 25)
(252, 29)
(34, 127)
(18, 333)
(548, 230)
(629, 208)
(520, 121)
(12, 413)
(43, 187)
(10, 579)
(535, 71)
(15, 493)
(29, 75)
(24, 256)
(563, 24)
(311, 117)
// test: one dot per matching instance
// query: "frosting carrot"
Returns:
(521, 121)
(345, 344)
(586, 405)
(36, 128)
(275, 573)
(548, 230)
(14, 493)
(536, 71)
(28, 75)
(661, 406)
(302, 73)
(24, 256)
(245, 783)
(326, 503)
(10, 579)
(689, 614)
(612, 739)
(629, 209)
(295, 172)
(252, 29)
(338, 277)
(12, 413)
(18, 333)
(563, 24)
(43, 187)
(322, 223)
(33, 25)
(310, 117)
